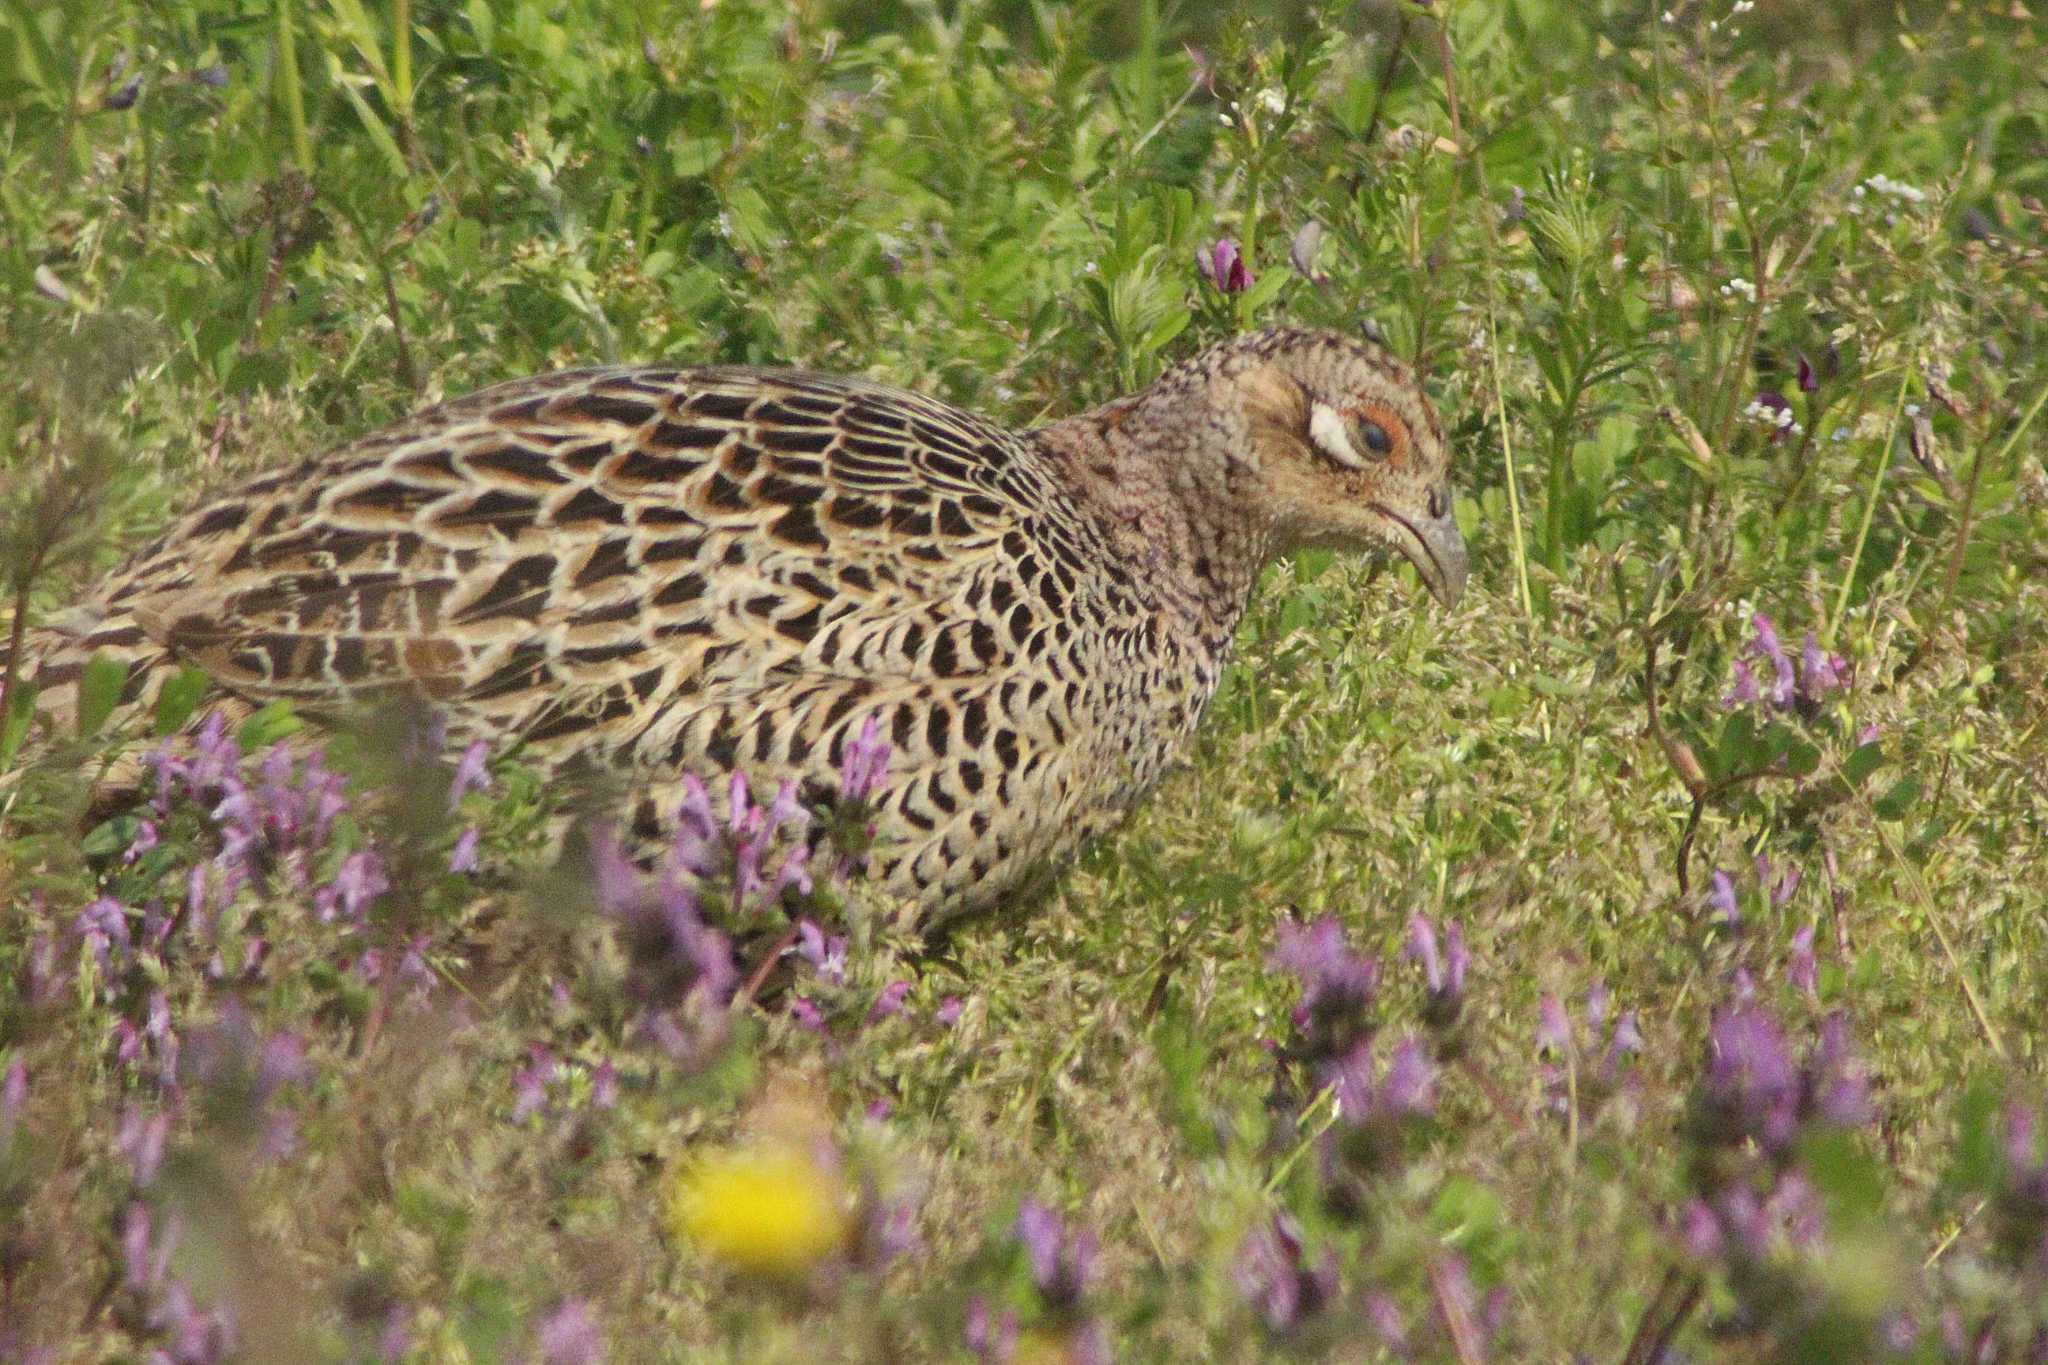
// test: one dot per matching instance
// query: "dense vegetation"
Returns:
(1643, 960)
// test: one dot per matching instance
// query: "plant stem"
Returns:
(291, 90)
(1880, 466)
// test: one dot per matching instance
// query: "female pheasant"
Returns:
(654, 571)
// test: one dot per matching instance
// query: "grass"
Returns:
(1735, 311)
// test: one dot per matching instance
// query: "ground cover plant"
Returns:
(1641, 962)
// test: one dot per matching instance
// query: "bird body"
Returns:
(651, 572)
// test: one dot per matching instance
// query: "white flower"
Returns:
(1897, 189)
(1273, 101)
(1740, 286)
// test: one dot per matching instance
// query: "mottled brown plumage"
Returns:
(653, 571)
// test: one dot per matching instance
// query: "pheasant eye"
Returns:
(1374, 437)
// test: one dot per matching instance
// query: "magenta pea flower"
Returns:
(1224, 268)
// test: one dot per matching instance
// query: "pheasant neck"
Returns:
(1155, 473)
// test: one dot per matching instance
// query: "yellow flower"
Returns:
(771, 1210)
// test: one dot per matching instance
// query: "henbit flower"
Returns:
(864, 763)
(145, 839)
(13, 1097)
(470, 775)
(1780, 890)
(1443, 974)
(569, 1336)
(1407, 1089)
(103, 926)
(1062, 1264)
(991, 1341)
(142, 1138)
(1801, 968)
(825, 952)
(463, 859)
(1721, 896)
(532, 1081)
(948, 1012)
(1750, 1088)
(1224, 268)
(359, 881)
(1766, 646)
(1275, 1278)
(1598, 1049)
(1820, 673)
(1338, 987)
(889, 1002)
(1385, 1316)
(1744, 689)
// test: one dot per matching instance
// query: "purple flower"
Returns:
(1766, 646)
(1385, 1316)
(1700, 1230)
(948, 1012)
(1596, 1051)
(1834, 1089)
(1062, 1264)
(532, 1081)
(470, 774)
(103, 926)
(1721, 896)
(1801, 969)
(1223, 267)
(604, 1085)
(13, 1097)
(569, 1336)
(1443, 973)
(1407, 1089)
(889, 1232)
(145, 839)
(806, 1014)
(360, 880)
(1751, 1087)
(215, 76)
(864, 763)
(1338, 987)
(1809, 381)
(1553, 1025)
(825, 952)
(463, 858)
(1779, 891)
(1820, 673)
(991, 1341)
(1744, 691)
(889, 1003)
(1276, 1280)
(674, 959)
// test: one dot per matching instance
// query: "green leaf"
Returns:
(1980, 1141)
(693, 156)
(1894, 804)
(178, 699)
(99, 692)
(21, 709)
(269, 725)
(1865, 761)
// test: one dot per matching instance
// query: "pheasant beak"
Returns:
(1436, 549)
